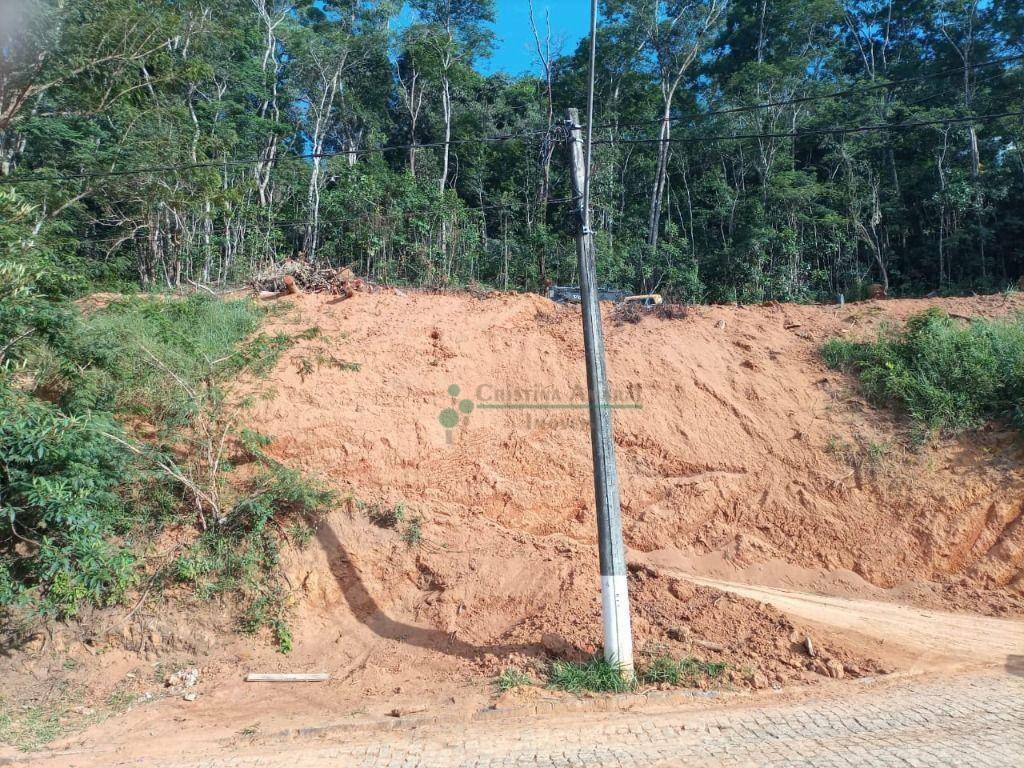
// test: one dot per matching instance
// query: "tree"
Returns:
(670, 35)
(456, 33)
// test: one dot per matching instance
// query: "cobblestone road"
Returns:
(976, 721)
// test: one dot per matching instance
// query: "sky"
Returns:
(514, 48)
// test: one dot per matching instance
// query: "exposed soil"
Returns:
(741, 457)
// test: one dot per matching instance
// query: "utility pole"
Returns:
(618, 636)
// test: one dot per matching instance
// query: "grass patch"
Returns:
(595, 674)
(512, 678)
(945, 374)
(599, 676)
(689, 672)
(30, 727)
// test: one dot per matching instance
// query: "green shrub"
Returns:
(943, 374)
(61, 503)
(242, 553)
(382, 515)
(76, 489)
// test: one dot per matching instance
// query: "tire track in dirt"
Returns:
(934, 635)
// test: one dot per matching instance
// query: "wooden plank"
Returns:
(287, 677)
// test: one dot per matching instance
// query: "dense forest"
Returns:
(744, 149)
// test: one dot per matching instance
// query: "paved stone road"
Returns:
(974, 721)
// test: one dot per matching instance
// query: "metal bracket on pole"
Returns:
(618, 635)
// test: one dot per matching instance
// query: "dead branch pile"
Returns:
(294, 276)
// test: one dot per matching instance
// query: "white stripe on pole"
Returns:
(618, 636)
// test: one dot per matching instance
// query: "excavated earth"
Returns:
(741, 457)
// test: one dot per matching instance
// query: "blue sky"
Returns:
(514, 50)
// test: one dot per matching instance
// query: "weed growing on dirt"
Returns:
(413, 533)
(689, 671)
(861, 454)
(599, 676)
(120, 700)
(242, 554)
(594, 674)
(383, 515)
(946, 375)
(267, 612)
(31, 726)
(512, 678)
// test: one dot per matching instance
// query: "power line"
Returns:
(286, 223)
(816, 97)
(499, 137)
(815, 131)
(252, 161)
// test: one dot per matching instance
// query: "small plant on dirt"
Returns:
(875, 453)
(300, 534)
(267, 611)
(839, 448)
(864, 454)
(413, 533)
(594, 674)
(304, 367)
(383, 515)
(512, 678)
(323, 357)
(120, 700)
(689, 671)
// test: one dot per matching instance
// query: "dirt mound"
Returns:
(733, 438)
(731, 433)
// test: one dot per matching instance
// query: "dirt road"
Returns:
(931, 637)
(974, 718)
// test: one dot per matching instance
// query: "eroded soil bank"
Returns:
(741, 457)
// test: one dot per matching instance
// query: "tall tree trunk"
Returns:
(446, 110)
(311, 241)
(660, 174)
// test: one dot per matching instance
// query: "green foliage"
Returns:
(162, 358)
(413, 533)
(77, 490)
(62, 507)
(594, 674)
(768, 216)
(944, 374)
(512, 678)
(383, 515)
(688, 671)
(242, 553)
(393, 516)
(598, 676)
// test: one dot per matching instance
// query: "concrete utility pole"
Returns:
(618, 636)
